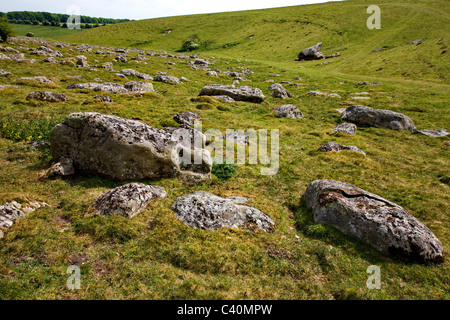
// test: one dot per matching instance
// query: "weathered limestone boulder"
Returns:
(311, 53)
(243, 93)
(11, 211)
(225, 98)
(134, 73)
(166, 79)
(333, 146)
(206, 211)
(378, 118)
(108, 66)
(139, 86)
(348, 128)
(47, 96)
(111, 87)
(105, 99)
(372, 219)
(8, 49)
(45, 51)
(82, 62)
(187, 118)
(212, 74)
(64, 167)
(288, 111)
(37, 79)
(278, 91)
(4, 73)
(123, 149)
(50, 60)
(436, 133)
(128, 200)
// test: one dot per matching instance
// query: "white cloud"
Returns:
(144, 9)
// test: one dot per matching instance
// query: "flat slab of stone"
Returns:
(206, 211)
(333, 146)
(436, 133)
(372, 219)
(128, 200)
(242, 93)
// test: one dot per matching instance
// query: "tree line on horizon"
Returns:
(54, 19)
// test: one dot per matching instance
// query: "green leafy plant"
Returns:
(224, 171)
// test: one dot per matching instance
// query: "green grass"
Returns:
(47, 32)
(156, 256)
(280, 34)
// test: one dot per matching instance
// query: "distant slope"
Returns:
(48, 32)
(277, 35)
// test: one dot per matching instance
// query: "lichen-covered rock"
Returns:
(105, 99)
(11, 211)
(288, 111)
(50, 60)
(187, 118)
(436, 133)
(372, 219)
(124, 149)
(278, 91)
(243, 93)
(139, 86)
(333, 146)
(128, 200)
(64, 167)
(82, 62)
(378, 118)
(311, 53)
(47, 96)
(206, 211)
(166, 79)
(348, 128)
(134, 73)
(45, 51)
(111, 87)
(37, 79)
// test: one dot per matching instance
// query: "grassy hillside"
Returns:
(155, 255)
(47, 32)
(278, 35)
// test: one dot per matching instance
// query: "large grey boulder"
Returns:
(372, 219)
(206, 211)
(311, 53)
(123, 149)
(243, 93)
(288, 111)
(278, 91)
(128, 200)
(378, 118)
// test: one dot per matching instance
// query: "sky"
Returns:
(144, 9)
